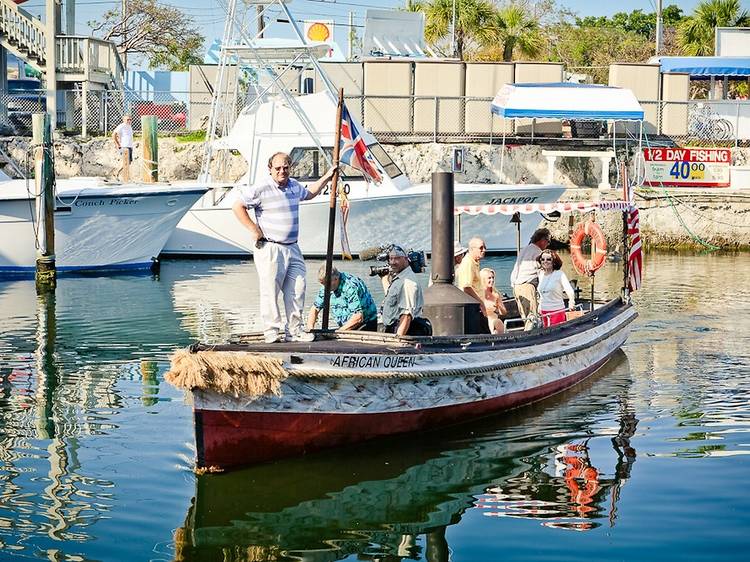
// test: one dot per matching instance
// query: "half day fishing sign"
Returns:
(699, 167)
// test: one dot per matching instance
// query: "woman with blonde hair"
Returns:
(493, 301)
(553, 284)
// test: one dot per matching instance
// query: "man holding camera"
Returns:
(402, 306)
(274, 229)
(352, 305)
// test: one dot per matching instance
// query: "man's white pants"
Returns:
(281, 269)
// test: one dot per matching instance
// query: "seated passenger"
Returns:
(493, 301)
(552, 284)
(352, 305)
(402, 305)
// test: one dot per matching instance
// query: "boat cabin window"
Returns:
(308, 165)
(385, 161)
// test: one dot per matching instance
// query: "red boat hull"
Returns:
(233, 438)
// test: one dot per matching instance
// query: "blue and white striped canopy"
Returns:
(566, 101)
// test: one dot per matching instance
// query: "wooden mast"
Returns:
(332, 212)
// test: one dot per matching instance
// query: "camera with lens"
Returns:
(417, 261)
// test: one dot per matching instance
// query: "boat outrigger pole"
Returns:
(332, 211)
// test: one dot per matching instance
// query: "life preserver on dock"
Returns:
(592, 230)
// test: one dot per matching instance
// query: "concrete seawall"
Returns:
(685, 218)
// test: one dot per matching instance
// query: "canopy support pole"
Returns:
(502, 153)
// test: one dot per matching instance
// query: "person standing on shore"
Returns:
(524, 278)
(123, 138)
(274, 230)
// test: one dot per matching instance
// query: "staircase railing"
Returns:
(22, 32)
(77, 54)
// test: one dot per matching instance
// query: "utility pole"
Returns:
(453, 30)
(70, 17)
(50, 31)
(261, 24)
(350, 55)
(659, 28)
(124, 35)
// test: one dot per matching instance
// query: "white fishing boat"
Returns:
(304, 127)
(395, 205)
(99, 225)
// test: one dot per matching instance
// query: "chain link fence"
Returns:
(394, 119)
(99, 110)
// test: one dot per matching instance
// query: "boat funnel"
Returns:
(449, 309)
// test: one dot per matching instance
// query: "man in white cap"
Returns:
(458, 253)
(402, 305)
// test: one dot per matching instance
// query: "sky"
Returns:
(209, 14)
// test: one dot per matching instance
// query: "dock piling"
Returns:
(44, 177)
(149, 130)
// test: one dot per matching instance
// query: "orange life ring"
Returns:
(592, 230)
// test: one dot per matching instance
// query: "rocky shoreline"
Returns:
(674, 219)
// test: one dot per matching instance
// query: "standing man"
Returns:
(274, 230)
(352, 305)
(123, 137)
(402, 305)
(467, 272)
(524, 277)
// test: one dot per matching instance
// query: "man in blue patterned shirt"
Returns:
(352, 306)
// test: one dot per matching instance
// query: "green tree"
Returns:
(593, 49)
(513, 30)
(696, 33)
(162, 33)
(636, 21)
(472, 23)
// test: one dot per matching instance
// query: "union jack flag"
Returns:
(635, 258)
(353, 150)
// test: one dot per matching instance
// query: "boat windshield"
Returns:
(308, 164)
(384, 160)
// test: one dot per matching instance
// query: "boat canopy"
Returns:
(706, 67)
(567, 101)
(546, 208)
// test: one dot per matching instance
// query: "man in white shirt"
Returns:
(524, 278)
(123, 137)
(274, 228)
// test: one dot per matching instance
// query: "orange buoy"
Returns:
(592, 230)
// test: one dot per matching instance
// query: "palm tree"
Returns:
(695, 34)
(513, 29)
(472, 21)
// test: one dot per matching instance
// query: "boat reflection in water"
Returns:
(393, 499)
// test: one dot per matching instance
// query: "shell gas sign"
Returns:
(684, 167)
(319, 31)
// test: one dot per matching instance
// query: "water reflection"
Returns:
(63, 359)
(393, 500)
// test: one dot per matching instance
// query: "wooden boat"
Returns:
(255, 402)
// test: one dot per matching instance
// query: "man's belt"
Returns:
(282, 243)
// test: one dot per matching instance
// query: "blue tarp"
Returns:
(705, 67)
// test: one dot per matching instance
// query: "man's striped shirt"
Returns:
(276, 207)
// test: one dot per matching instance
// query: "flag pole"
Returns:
(332, 211)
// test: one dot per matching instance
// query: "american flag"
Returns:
(354, 152)
(635, 258)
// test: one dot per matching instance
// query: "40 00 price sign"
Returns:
(699, 167)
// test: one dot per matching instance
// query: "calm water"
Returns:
(649, 459)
